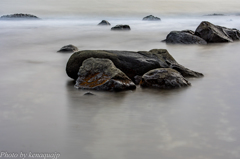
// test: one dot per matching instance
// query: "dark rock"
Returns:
(215, 34)
(121, 27)
(164, 78)
(101, 74)
(188, 31)
(184, 37)
(88, 94)
(137, 79)
(68, 48)
(215, 14)
(151, 18)
(104, 22)
(129, 62)
(19, 16)
(183, 70)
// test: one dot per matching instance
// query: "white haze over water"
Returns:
(125, 8)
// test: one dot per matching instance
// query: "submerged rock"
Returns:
(151, 18)
(89, 94)
(129, 62)
(164, 78)
(68, 48)
(19, 16)
(101, 74)
(121, 27)
(184, 37)
(104, 22)
(215, 34)
(215, 14)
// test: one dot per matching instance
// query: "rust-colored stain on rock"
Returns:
(93, 80)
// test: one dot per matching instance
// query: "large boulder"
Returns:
(164, 78)
(184, 37)
(68, 48)
(104, 22)
(19, 16)
(101, 74)
(121, 28)
(151, 18)
(215, 34)
(129, 62)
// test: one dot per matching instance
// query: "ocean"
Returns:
(42, 112)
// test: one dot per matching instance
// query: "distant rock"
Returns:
(19, 16)
(164, 78)
(215, 34)
(68, 48)
(205, 33)
(184, 37)
(215, 14)
(104, 22)
(101, 74)
(121, 27)
(129, 62)
(151, 18)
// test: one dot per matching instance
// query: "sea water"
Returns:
(42, 112)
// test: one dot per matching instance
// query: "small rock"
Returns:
(164, 78)
(101, 74)
(68, 48)
(88, 93)
(19, 16)
(215, 14)
(104, 22)
(151, 18)
(121, 27)
(137, 79)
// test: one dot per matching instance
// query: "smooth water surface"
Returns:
(41, 111)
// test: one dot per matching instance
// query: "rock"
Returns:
(184, 37)
(121, 27)
(215, 14)
(137, 79)
(164, 78)
(101, 74)
(129, 62)
(185, 72)
(19, 16)
(104, 22)
(215, 34)
(68, 48)
(151, 18)
(88, 94)
(188, 31)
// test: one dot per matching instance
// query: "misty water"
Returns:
(41, 111)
